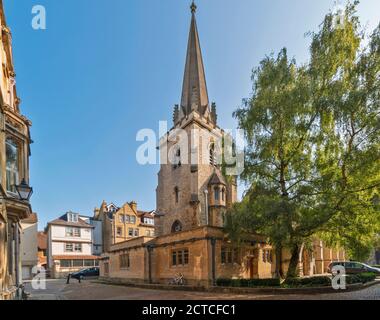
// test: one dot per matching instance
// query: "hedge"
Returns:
(248, 283)
(319, 281)
(324, 281)
(361, 277)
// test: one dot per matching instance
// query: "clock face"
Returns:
(177, 228)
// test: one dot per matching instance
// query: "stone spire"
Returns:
(194, 90)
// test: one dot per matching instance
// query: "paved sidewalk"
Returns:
(53, 290)
(92, 290)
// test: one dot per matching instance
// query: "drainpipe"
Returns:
(150, 249)
(213, 264)
(17, 258)
(206, 205)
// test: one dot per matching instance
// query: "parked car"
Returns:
(354, 267)
(86, 273)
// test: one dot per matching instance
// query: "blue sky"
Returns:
(104, 69)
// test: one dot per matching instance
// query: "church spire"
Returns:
(194, 90)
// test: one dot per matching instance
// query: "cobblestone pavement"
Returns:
(90, 290)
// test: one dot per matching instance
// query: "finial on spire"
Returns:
(193, 7)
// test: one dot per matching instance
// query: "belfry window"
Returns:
(177, 158)
(12, 164)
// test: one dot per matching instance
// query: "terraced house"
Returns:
(15, 192)
(70, 245)
(122, 223)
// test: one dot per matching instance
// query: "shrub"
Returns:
(360, 278)
(248, 283)
(367, 277)
(320, 281)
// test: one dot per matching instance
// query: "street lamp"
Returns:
(24, 190)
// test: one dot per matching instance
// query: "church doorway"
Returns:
(253, 266)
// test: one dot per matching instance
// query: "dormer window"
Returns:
(72, 217)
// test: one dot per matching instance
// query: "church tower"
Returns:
(192, 191)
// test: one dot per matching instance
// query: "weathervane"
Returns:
(193, 7)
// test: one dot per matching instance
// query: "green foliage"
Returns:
(248, 283)
(321, 281)
(361, 278)
(313, 144)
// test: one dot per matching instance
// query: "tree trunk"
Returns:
(294, 260)
(279, 271)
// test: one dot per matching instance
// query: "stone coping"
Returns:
(236, 290)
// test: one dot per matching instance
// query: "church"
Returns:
(192, 198)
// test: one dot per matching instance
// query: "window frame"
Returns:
(78, 233)
(78, 247)
(13, 176)
(229, 255)
(216, 194)
(67, 245)
(69, 232)
(124, 261)
(70, 263)
(180, 257)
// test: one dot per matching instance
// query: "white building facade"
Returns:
(29, 246)
(97, 236)
(70, 245)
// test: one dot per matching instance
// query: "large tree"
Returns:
(313, 143)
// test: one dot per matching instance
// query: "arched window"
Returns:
(223, 194)
(177, 226)
(176, 193)
(217, 193)
(12, 164)
(212, 154)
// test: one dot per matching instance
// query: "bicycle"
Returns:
(178, 280)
